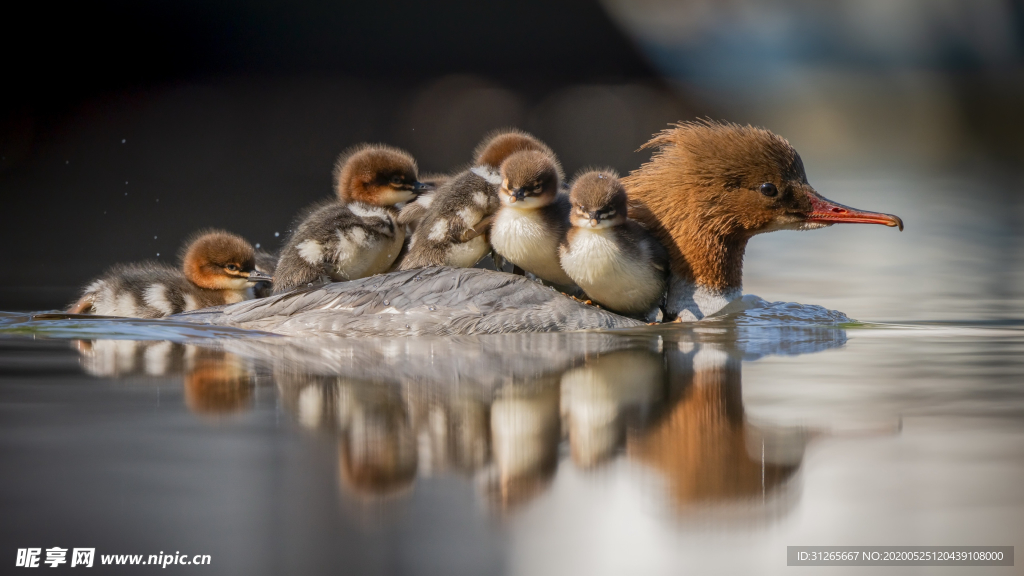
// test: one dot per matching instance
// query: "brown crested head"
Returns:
(219, 260)
(710, 186)
(498, 145)
(377, 174)
(529, 179)
(598, 199)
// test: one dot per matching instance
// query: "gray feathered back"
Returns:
(431, 301)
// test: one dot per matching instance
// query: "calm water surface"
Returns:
(705, 448)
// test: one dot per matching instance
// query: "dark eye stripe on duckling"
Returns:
(402, 181)
(531, 189)
(601, 212)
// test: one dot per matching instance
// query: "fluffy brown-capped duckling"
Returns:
(533, 217)
(453, 227)
(612, 258)
(712, 186)
(217, 268)
(357, 236)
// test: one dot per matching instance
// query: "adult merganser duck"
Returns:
(357, 235)
(453, 222)
(613, 259)
(217, 268)
(534, 215)
(708, 189)
(704, 194)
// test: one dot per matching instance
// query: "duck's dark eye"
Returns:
(232, 268)
(769, 189)
(396, 180)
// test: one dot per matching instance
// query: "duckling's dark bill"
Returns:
(257, 276)
(826, 211)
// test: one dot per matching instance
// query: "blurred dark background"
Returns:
(125, 126)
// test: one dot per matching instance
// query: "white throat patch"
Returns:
(692, 302)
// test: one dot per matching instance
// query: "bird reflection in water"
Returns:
(525, 435)
(500, 409)
(704, 446)
(506, 411)
(215, 382)
(377, 449)
(602, 397)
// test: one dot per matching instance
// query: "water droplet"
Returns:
(276, 234)
(257, 244)
(125, 182)
(123, 140)
(154, 237)
(158, 254)
(67, 161)
(431, 308)
(310, 285)
(157, 199)
(387, 302)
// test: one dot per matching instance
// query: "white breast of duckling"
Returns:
(525, 238)
(359, 253)
(596, 261)
(467, 254)
(463, 254)
(236, 296)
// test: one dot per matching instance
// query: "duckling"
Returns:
(453, 227)
(358, 236)
(534, 216)
(413, 212)
(615, 260)
(452, 230)
(497, 146)
(217, 268)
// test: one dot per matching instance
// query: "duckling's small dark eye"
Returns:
(396, 180)
(769, 189)
(232, 268)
